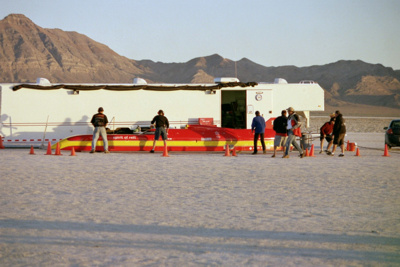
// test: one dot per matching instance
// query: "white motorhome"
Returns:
(32, 114)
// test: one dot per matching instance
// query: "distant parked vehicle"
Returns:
(307, 82)
(392, 135)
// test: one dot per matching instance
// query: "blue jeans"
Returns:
(100, 131)
(291, 140)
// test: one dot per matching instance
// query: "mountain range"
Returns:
(28, 51)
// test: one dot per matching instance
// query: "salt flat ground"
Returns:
(201, 209)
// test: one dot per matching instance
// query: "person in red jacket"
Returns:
(326, 133)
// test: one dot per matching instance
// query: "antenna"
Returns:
(235, 64)
(235, 69)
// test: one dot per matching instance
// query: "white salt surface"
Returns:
(201, 209)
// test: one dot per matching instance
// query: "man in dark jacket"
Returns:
(279, 127)
(339, 132)
(162, 124)
(99, 121)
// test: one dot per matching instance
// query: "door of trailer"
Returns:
(233, 109)
(260, 100)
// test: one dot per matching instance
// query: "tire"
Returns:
(388, 144)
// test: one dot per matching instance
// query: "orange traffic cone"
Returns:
(234, 152)
(227, 151)
(48, 149)
(348, 146)
(306, 155)
(58, 152)
(32, 152)
(312, 151)
(358, 153)
(165, 154)
(1, 142)
(73, 152)
(386, 153)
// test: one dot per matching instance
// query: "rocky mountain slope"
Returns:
(28, 51)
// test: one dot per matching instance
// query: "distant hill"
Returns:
(28, 51)
(354, 81)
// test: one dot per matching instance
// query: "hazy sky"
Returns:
(271, 33)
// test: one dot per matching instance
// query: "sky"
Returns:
(270, 33)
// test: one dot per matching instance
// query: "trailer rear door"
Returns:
(260, 100)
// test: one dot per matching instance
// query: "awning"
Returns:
(161, 87)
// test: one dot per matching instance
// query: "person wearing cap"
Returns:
(99, 122)
(293, 129)
(162, 124)
(258, 128)
(339, 132)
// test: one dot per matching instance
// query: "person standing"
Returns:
(162, 124)
(99, 121)
(258, 128)
(326, 133)
(339, 132)
(279, 127)
(293, 130)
